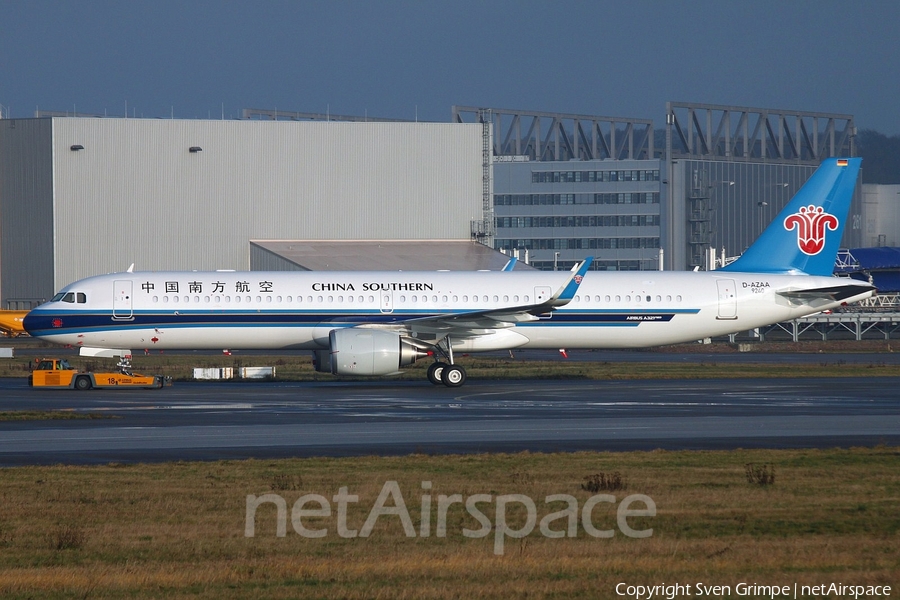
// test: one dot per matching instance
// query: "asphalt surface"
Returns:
(209, 421)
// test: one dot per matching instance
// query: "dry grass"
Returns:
(299, 368)
(50, 415)
(177, 530)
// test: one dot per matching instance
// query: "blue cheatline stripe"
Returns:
(82, 321)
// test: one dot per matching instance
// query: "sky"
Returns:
(407, 59)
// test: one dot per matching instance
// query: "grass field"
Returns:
(295, 367)
(179, 530)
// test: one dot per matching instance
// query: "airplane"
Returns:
(375, 323)
(11, 322)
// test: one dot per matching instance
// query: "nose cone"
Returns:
(35, 322)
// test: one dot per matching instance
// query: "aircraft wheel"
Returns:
(83, 383)
(453, 376)
(434, 373)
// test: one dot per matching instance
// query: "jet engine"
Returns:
(369, 352)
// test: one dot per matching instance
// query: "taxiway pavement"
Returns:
(209, 421)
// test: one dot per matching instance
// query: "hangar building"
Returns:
(568, 186)
(82, 196)
(731, 169)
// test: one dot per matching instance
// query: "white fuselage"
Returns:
(278, 310)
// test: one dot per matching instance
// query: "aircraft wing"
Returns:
(482, 322)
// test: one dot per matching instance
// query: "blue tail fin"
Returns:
(806, 235)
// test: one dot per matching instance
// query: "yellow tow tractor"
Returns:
(58, 373)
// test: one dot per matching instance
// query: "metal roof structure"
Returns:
(375, 255)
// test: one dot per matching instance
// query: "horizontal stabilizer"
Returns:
(835, 293)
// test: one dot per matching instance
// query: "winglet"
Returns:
(511, 264)
(567, 291)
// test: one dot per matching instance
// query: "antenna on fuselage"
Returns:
(130, 269)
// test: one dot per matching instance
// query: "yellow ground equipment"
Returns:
(11, 322)
(57, 373)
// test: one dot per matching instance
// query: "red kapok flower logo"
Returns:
(811, 223)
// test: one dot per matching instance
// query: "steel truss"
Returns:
(860, 325)
(560, 137)
(715, 132)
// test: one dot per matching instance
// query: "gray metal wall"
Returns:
(880, 222)
(26, 212)
(135, 194)
(729, 204)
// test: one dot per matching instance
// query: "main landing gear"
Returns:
(446, 373)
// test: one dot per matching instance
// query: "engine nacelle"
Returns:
(369, 352)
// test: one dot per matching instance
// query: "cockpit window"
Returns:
(69, 297)
(81, 297)
(57, 297)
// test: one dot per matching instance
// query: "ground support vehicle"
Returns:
(58, 373)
